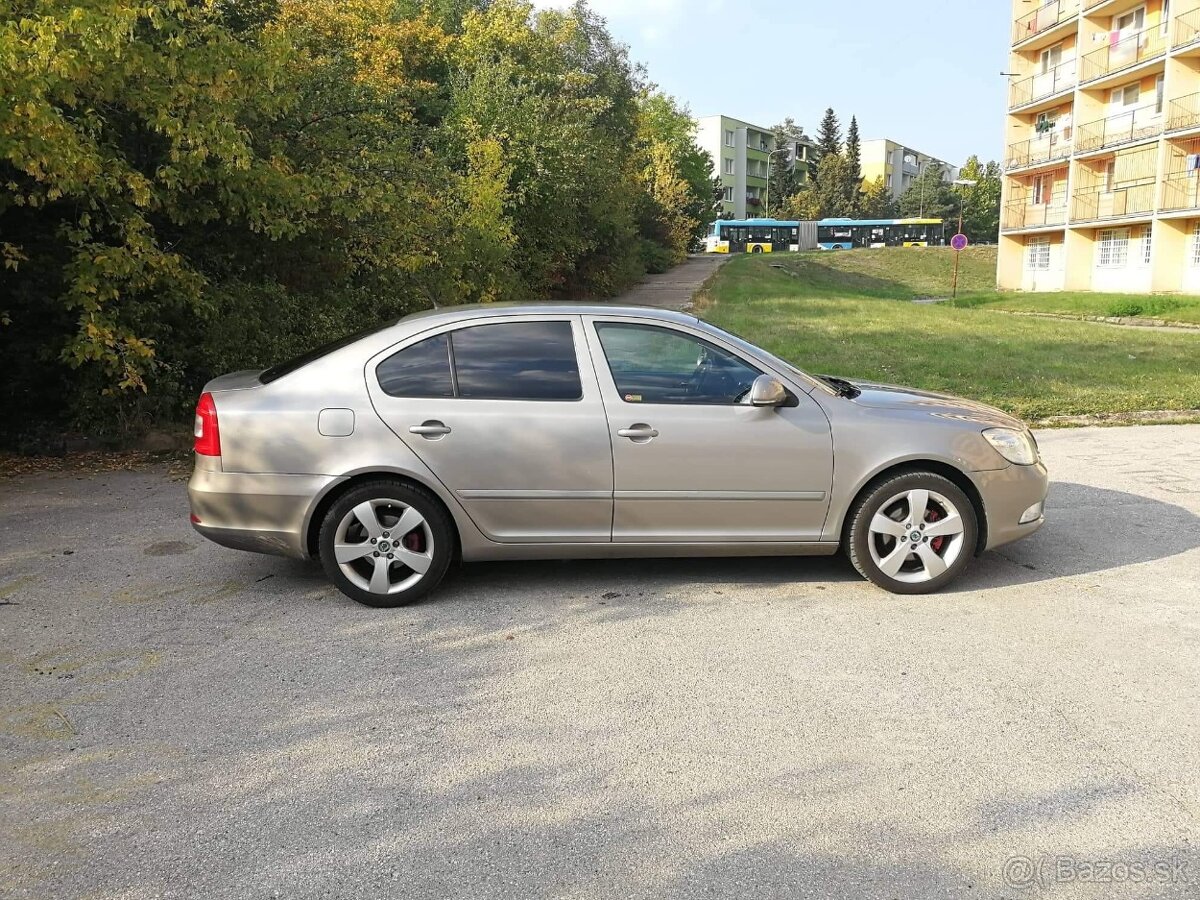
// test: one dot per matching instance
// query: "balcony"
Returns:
(1187, 29)
(1123, 54)
(1042, 149)
(1023, 214)
(1044, 84)
(1043, 19)
(1181, 191)
(1135, 125)
(1098, 203)
(1184, 113)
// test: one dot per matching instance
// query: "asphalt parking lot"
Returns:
(181, 720)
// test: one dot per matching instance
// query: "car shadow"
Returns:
(1089, 530)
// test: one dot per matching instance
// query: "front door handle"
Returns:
(430, 429)
(639, 433)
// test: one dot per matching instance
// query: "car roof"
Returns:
(488, 310)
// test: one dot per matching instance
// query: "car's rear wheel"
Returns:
(913, 533)
(386, 543)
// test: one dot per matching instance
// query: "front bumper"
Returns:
(1007, 495)
(261, 513)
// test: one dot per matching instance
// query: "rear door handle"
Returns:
(639, 433)
(432, 429)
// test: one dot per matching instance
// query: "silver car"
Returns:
(535, 431)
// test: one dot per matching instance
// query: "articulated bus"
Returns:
(760, 236)
(846, 234)
(776, 236)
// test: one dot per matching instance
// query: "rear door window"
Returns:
(517, 361)
(504, 361)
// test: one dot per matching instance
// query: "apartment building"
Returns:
(741, 155)
(1102, 167)
(899, 165)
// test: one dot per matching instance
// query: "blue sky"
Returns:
(869, 58)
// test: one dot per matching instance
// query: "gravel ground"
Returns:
(180, 720)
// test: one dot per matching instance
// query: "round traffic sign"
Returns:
(959, 241)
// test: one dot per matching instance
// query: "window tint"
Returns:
(422, 370)
(658, 365)
(517, 361)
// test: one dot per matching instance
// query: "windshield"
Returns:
(287, 368)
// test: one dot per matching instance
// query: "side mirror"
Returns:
(767, 391)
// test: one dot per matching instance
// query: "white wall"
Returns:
(1051, 279)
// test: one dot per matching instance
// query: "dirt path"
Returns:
(674, 289)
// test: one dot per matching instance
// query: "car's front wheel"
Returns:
(386, 543)
(912, 533)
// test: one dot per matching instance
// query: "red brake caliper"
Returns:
(932, 515)
(415, 541)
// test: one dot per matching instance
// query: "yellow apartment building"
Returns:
(1102, 167)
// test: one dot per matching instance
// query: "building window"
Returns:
(728, 195)
(1166, 16)
(1043, 186)
(1051, 57)
(1125, 97)
(1114, 248)
(1195, 257)
(1147, 238)
(729, 167)
(728, 138)
(1038, 258)
(1158, 95)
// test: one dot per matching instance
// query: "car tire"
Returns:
(360, 530)
(880, 536)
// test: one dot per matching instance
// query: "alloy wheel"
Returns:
(916, 536)
(383, 546)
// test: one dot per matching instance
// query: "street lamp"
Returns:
(962, 182)
(767, 194)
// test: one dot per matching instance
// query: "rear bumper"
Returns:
(261, 513)
(1007, 495)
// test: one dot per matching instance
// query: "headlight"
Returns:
(1015, 446)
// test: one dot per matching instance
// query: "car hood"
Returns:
(945, 406)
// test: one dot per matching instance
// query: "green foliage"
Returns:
(981, 202)
(191, 186)
(875, 201)
(853, 177)
(930, 196)
(829, 138)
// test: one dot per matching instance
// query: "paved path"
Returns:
(180, 720)
(674, 289)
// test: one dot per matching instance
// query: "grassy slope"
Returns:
(845, 314)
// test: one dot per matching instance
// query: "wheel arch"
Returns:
(316, 515)
(937, 467)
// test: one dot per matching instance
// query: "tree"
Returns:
(783, 183)
(175, 174)
(829, 142)
(829, 191)
(930, 196)
(853, 187)
(981, 202)
(876, 201)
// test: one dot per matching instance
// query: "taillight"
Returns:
(208, 435)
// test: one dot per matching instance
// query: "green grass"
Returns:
(848, 314)
(1154, 306)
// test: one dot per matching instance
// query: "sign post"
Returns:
(959, 243)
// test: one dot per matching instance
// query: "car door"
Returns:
(691, 460)
(503, 414)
